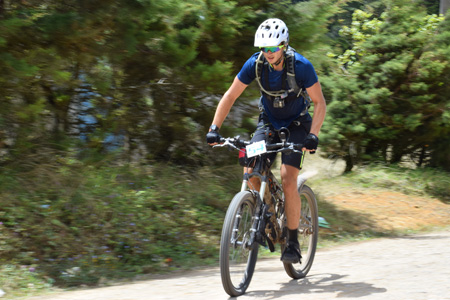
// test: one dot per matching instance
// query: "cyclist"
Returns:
(281, 106)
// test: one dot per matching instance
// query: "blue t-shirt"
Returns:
(305, 75)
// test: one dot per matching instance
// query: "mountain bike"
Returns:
(257, 218)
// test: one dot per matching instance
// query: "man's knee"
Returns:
(289, 177)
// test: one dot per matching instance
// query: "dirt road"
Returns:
(412, 267)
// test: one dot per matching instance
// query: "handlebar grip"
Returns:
(242, 144)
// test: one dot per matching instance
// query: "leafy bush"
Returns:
(80, 222)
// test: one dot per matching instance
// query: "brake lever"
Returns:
(226, 143)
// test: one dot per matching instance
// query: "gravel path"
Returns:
(411, 267)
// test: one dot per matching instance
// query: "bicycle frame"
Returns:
(262, 171)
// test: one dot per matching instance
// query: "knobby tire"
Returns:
(237, 261)
(307, 234)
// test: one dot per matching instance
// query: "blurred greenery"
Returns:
(77, 222)
(145, 76)
(104, 106)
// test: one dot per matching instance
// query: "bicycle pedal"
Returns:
(260, 239)
(271, 245)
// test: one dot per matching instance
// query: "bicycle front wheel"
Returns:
(237, 255)
(308, 230)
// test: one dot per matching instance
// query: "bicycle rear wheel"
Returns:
(237, 256)
(308, 230)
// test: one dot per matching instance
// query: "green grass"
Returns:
(422, 181)
(66, 223)
(419, 181)
(22, 280)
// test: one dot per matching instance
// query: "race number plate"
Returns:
(255, 149)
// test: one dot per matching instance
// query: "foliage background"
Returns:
(104, 106)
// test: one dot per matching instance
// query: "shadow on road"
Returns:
(320, 283)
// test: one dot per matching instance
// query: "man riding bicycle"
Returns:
(283, 76)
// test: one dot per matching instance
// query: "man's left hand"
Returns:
(311, 142)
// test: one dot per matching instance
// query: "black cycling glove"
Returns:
(213, 136)
(311, 142)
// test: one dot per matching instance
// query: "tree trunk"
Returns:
(444, 6)
(2, 9)
(397, 154)
(384, 151)
(348, 163)
(422, 156)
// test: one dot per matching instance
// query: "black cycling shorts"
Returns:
(298, 132)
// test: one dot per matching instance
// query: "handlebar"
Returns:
(236, 143)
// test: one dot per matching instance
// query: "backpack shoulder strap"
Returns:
(260, 62)
(290, 66)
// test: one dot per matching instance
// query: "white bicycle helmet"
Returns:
(271, 32)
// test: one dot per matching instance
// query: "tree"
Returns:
(444, 6)
(390, 96)
(145, 73)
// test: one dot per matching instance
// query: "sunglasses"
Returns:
(271, 49)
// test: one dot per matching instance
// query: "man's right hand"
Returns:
(213, 136)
